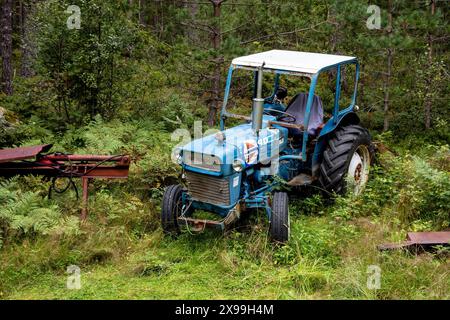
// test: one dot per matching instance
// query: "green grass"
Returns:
(325, 259)
(123, 254)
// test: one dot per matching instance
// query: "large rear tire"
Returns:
(279, 222)
(346, 160)
(171, 209)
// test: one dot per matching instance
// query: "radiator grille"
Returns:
(208, 189)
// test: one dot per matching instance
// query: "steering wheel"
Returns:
(269, 99)
(284, 116)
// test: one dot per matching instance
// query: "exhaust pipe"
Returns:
(258, 102)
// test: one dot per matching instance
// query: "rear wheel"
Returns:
(279, 220)
(346, 160)
(171, 209)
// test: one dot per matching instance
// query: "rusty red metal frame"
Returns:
(7, 155)
(56, 165)
(422, 240)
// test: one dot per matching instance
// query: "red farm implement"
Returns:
(36, 161)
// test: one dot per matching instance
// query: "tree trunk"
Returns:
(161, 19)
(6, 44)
(142, 13)
(428, 93)
(155, 16)
(216, 42)
(387, 81)
(130, 11)
(193, 10)
(28, 47)
(333, 43)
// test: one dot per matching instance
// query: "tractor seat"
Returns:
(297, 107)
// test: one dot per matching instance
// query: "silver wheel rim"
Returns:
(358, 170)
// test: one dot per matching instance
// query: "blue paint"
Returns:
(337, 94)
(225, 98)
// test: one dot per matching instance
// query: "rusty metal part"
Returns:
(120, 160)
(239, 116)
(199, 225)
(286, 125)
(7, 155)
(85, 183)
(19, 161)
(301, 180)
(422, 240)
(90, 170)
(358, 172)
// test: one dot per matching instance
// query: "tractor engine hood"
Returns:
(216, 154)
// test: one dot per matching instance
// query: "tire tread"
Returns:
(336, 156)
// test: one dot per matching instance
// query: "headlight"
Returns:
(238, 165)
(179, 159)
(177, 156)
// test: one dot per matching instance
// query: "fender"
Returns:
(349, 117)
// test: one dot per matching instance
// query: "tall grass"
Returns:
(123, 254)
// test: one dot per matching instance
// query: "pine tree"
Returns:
(6, 47)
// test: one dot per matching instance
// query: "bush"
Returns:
(409, 188)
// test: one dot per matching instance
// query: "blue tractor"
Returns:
(278, 148)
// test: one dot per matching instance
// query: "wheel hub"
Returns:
(358, 169)
(358, 172)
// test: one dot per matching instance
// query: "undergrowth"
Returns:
(123, 254)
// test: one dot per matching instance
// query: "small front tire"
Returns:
(279, 221)
(171, 209)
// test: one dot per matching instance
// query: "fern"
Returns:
(27, 213)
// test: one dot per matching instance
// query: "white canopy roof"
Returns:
(296, 61)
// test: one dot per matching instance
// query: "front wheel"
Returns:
(171, 209)
(279, 220)
(346, 160)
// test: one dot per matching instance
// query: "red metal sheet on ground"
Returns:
(422, 239)
(22, 153)
(440, 237)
